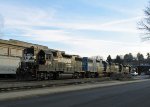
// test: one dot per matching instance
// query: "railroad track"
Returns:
(16, 86)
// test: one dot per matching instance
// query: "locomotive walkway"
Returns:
(62, 89)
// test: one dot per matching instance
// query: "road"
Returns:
(127, 95)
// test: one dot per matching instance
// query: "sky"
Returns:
(82, 27)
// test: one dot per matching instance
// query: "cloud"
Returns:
(126, 25)
(48, 35)
(26, 19)
(23, 16)
(93, 47)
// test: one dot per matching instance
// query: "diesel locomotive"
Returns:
(52, 64)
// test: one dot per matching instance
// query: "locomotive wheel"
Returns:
(83, 75)
(56, 76)
(28, 76)
(88, 75)
(51, 76)
(92, 75)
(76, 75)
(18, 76)
(45, 77)
(96, 75)
(39, 76)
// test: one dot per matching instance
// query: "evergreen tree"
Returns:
(118, 59)
(109, 60)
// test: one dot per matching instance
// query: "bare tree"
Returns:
(144, 24)
(99, 58)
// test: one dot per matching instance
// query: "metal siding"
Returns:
(46, 68)
(13, 52)
(100, 67)
(19, 53)
(90, 66)
(95, 67)
(9, 65)
(3, 51)
(114, 68)
(85, 64)
(78, 66)
(126, 69)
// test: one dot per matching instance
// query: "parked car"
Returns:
(134, 73)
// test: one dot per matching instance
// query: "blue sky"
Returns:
(84, 27)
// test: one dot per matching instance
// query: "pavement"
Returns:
(104, 94)
(140, 77)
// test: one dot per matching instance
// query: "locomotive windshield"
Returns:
(29, 54)
(43, 56)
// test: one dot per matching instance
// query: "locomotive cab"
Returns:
(45, 68)
(28, 54)
(44, 57)
(26, 70)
